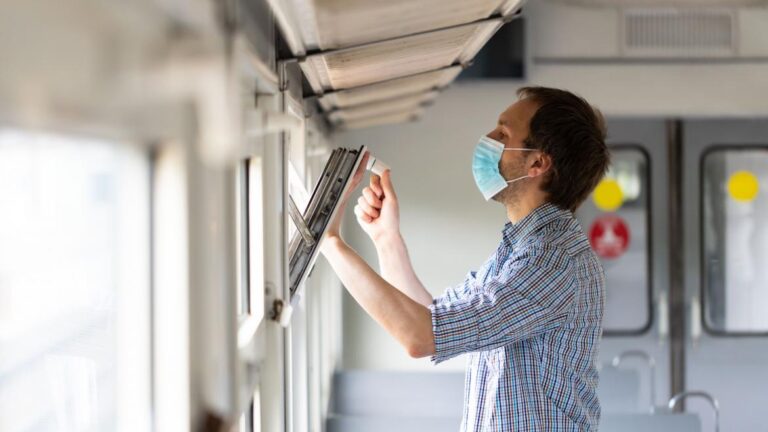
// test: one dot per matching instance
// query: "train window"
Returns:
(734, 250)
(311, 214)
(616, 220)
(74, 284)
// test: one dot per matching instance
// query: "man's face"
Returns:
(511, 130)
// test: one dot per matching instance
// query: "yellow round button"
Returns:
(743, 186)
(608, 195)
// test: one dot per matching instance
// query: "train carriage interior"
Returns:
(169, 170)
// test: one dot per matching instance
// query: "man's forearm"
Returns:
(404, 318)
(397, 269)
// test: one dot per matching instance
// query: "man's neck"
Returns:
(521, 208)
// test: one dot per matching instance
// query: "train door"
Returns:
(625, 220)
(725, 209)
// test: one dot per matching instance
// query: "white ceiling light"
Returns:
(367, 64)
(390, 89)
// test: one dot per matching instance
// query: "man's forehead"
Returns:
(519, 112)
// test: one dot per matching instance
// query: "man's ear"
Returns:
(540, 165)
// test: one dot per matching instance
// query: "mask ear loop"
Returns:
(518, 149)
(519, 178)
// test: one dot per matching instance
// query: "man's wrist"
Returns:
(388, 241)
(330, 243)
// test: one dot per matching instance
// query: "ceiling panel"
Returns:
(367, 64)
(390, 89)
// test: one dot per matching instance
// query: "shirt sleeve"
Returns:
(531, 295)
(456, 292)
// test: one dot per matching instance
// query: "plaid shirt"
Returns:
(530, 320)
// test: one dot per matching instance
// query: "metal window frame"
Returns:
(340, 168)
(715, 148)
(641, 331)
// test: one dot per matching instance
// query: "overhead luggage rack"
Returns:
(355, 52)
(400, 117)
(345, 23)
(418, 83)
(411, 104)
(398, 57)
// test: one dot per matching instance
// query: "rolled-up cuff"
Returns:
(454, 331)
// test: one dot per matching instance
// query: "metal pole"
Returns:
(676, 262)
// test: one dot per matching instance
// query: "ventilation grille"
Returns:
(667, 32)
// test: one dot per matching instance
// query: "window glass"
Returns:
(735, 239)
(74, 284)
(256, 237)
(615, 219)
(243, 292)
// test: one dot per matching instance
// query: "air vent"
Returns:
(667, 32)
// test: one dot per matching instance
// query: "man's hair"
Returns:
(572, 132)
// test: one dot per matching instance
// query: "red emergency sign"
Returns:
(609, 236)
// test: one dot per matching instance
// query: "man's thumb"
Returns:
(386, 183)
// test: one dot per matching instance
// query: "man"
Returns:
(530, 318)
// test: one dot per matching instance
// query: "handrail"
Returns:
(697, 393)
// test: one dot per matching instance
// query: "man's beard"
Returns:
(511, 194)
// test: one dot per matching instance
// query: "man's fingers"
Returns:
(376, 185)
(370, 211)
(361, 216)
(371, 197)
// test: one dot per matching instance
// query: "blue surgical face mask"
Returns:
(485, 167)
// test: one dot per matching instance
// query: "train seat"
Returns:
(662, 422)
(618, 390)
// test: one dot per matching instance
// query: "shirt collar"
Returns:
(536, 219)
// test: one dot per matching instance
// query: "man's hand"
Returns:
(334, 226)
(377, 209)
